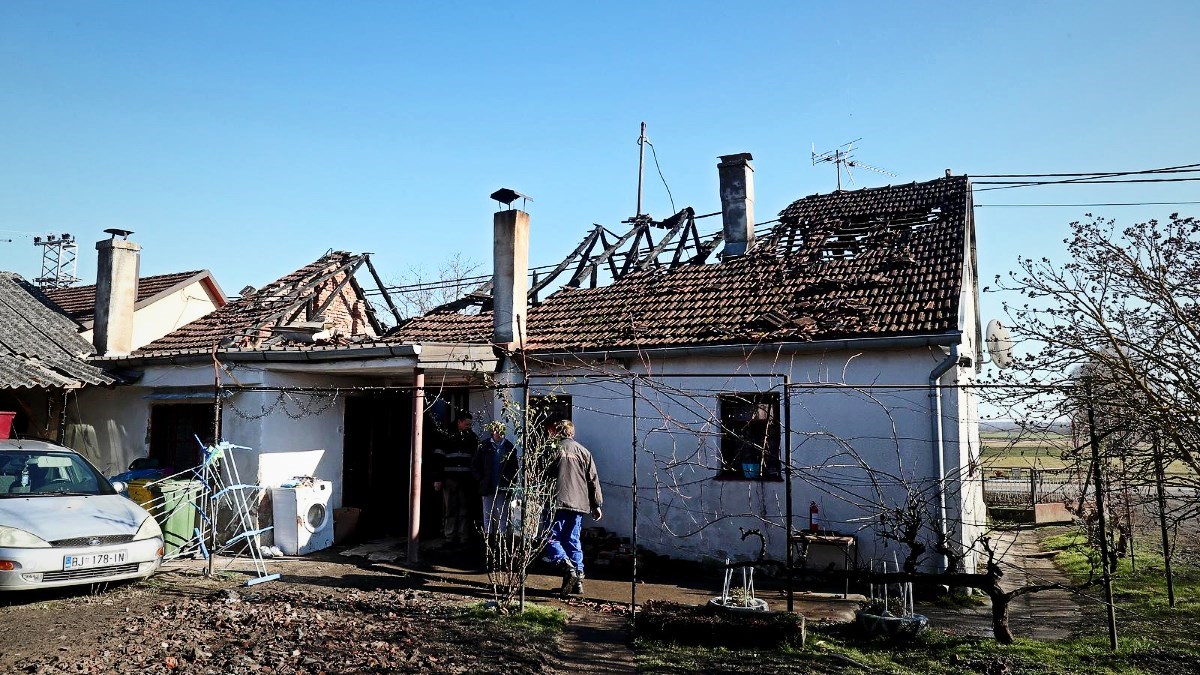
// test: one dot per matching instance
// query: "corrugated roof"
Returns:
(39, 347)
(79, 302)
(869, 263)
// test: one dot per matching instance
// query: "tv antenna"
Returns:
(58, 260)
(843, 156)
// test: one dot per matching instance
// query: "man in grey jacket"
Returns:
(578, 493)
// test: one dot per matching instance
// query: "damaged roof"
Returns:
(39, 347)
(247, 322)
(874, 262)
(79, 302)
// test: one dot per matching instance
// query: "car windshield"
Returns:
(32, 472)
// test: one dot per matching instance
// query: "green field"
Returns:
(1005, 451)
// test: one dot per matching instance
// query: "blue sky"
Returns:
(249, 138)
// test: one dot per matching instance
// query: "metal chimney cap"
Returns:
(507, 196)
(115, 232)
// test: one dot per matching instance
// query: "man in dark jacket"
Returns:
(452, 477)
(495, 471)
(578, 492)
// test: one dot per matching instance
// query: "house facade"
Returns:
(825, 362)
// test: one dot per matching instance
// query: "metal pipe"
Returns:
(634, 535)
(641, 167)
(787, 471)
(414, 467)
(939, 455)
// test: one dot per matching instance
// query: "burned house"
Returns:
(816, 369)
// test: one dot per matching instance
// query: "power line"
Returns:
(1183, 168)
(1092, 178)
(1088, 205)
(1084, 181)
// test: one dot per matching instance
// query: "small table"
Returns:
(843, 546)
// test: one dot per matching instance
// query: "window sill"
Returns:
(744, 479)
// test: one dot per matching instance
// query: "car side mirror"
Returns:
(119, 486)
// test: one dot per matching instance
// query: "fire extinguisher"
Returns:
(812, 517)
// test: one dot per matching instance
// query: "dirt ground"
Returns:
(322, 617)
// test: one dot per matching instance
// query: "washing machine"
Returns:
(303, 519)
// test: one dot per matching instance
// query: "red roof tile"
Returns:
(246, 321)
(868, 263)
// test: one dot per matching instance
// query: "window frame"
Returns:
(734, 442)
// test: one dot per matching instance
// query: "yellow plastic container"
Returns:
(139, 493)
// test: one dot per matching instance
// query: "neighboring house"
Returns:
(164, 303)
(42, 360)
(865, 302)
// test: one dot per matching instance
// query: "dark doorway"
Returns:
(375, 460)
(173, 431)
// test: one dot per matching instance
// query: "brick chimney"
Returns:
(116, 293)
(737, 203)
(510, 277)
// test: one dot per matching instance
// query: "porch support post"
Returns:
(414, 474)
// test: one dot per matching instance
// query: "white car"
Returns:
(63, 523)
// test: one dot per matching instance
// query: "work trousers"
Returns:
(456, 509)
(495, 512)
(564, 538)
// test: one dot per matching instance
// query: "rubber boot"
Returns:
(577, 586)
(569, 579)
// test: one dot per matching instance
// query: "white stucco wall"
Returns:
(685, 511)
(168, 313)
(121, 417)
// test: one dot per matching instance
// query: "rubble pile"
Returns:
(287, 631)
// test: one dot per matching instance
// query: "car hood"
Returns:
(66, 517)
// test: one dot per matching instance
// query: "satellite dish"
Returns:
(999, 344)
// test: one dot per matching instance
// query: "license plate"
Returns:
(86, 560)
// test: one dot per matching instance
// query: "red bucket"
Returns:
(6, 419)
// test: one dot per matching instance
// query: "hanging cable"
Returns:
(654, 154)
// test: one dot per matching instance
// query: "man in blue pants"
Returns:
(578, 494)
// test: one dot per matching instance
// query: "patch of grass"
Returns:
(537, 619)
(835, 649)
(1144, 618)
(959, 600)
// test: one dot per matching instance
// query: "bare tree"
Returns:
(521, 526)
(1125, 305)
(418, 290)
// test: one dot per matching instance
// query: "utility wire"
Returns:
(1087, 181)
(1087, 205)
(1007, 185)
(654, 154)
(1183, 168)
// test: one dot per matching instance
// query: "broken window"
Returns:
(174, 429)
(548, 410)
(749, 436)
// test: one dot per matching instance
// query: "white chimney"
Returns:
(737, 203)
(510, 277)
(116, 293)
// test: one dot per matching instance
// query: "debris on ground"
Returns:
(286, 630)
